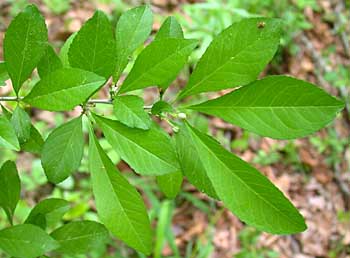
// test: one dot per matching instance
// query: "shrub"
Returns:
(279, 107)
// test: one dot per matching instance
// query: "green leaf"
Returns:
(64, 89)
(65, 49)
(119, 205)
(129, 111)
(94, 47)
(80, 237)
(26, 240)
(10, 188)
(3, 74)
(191, 165)
(35, 142)
(147, 152)
(170, 184)
(236, 56)
(49, 62)
(158, 64)
(6, 112)
(277, 106)
(169, 29)
(8, 138)
(24, 44)
(63, 150)
(242, 188)
(133, 28)
(22, 124)
(48, 212)
(161, 107)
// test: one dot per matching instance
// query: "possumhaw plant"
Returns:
(279, 107)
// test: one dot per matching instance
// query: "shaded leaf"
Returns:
(119, 206)
(129, 111)
(236, 56)
(161, 107)
(22, 124)
(169, 29)
(133, 28)
(35, 142)
(147, 152)
(94, 48)
(24, 44)
(49, 62)
(191, 165)
(10, 188)
(277, 106)
(80, 237)
(63, 150)
(64, 89)
(170, 184)
(158, 64)
(26, 240)
(47, 212)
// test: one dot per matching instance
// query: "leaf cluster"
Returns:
(279, 107)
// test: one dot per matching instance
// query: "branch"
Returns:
(91, 101)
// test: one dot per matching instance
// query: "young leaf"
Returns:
(24, 44)
(63, 150)
(170, 184)
(129, 111)
(158, 64)
(64, 89)
(119, 205)
(161, 107)
(35, 142)
(242, 188)
(65, 49)
(133, 28)
(8, 138)
(26, 240)
(236, 56)
(169, 29)
(147, 152)
(3, 74)
(47, 212)
(10, 188)
(22, 124)
(94, 48)
(80, 237)
(277, 106)
(49, 62)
